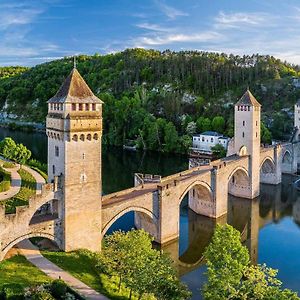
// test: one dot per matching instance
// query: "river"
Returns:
(269, 224)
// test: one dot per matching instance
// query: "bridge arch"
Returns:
(200, 196)
(123, 212)
(267, 165)
(287, 157)
(48, 208)
(239, 183)
(29, 235)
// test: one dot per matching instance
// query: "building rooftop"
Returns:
(248, 99)
(211, 133)
(74, 90)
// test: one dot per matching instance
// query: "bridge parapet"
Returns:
(48, 192)
(140, 178)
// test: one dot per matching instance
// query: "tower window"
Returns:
(243, 134)
(238, 108)
(87, 107)
(248, 108)
(256, 123)
(73, 106)
(53, 170)
(89, 137)
(56, 151)
(243, 123)
(75, 137)
(80, 106)
(83, 155)
(82, 137)
(212, 140)
(242, 108)
(95, 136)
(256, 134)
(51, 106)
(93, 106)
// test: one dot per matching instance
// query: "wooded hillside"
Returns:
(159, 98)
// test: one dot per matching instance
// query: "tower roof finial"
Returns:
(74, 63)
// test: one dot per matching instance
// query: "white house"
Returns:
(203, 142)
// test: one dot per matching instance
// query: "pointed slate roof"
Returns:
(74, 90)
(248, 99)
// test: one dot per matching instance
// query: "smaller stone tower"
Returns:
(296, 133)
(247, 136)
(297, 115)
(74, 130)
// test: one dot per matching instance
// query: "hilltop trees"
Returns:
(139, 84)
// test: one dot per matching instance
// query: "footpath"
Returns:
(33, 255)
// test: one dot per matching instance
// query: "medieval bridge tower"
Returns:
(74, 130)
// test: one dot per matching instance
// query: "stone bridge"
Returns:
(72, 212)
(157, 203)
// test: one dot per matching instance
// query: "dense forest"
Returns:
(157, 100)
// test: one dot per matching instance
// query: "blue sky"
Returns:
(35, 31)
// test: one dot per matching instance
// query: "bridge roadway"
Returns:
(150, 187)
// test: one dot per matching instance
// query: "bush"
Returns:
(13, 291)
(58, 289)
(6, 179)
(8, 165)
(37, 164)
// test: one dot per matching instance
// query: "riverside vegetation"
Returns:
(231, 275)
(159, 99)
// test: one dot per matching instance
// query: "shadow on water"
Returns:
(269, 225)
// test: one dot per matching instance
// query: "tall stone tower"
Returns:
(74, 130)
(247, 136)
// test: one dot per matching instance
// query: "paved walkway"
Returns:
(15, 184)
(53, 271)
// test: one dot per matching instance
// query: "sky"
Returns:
(37, 31)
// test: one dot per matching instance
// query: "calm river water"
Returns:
(269, 225)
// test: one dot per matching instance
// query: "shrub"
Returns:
(6, 178)
(8, 165)
(13, 291)
(37, 164)
(58, 289)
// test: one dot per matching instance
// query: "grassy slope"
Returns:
(28, 188)
(17, 270)
(81, 266)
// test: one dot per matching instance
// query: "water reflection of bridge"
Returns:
(274, 203)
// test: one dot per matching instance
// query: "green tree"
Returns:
(171, 137)
(8, 147)
(230, 275)
(185, 142)
(218, 124)
(206, 125)
(265, 134)
(139, 267)
(218, 151)
(191, 128)
(21, 154)
(199, 124)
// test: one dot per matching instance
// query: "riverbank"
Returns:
(22, 125)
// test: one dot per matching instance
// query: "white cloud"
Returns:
(154, 27)
(169, 11)
(167, 39)
(236, 20)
